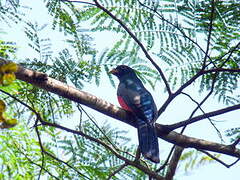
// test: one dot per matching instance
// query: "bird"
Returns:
(133, 96)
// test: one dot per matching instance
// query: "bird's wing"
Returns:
(137, 99)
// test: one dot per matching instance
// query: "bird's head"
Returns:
(122, 70)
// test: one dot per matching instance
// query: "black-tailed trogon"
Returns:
(134, 97)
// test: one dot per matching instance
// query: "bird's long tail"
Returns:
(148, 141)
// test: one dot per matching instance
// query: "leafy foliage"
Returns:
(234, 133)
(7, 49)
(193, 159)
(16, 163)
(169, 30)
(8, 11)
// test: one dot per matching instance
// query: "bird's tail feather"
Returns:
(148, 141)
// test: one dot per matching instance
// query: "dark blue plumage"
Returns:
(133, 96)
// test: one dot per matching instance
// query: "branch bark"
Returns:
(173, 163)
(41, 80)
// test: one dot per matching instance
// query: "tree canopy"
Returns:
(174, 46)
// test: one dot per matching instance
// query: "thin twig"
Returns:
(132, 163)
(235, 142)
(189, 82)
(218, 160)
(166, 161)
(210, 120)
(80, 117)
(110, 142)
(138, 154)
(202, 102)
(230, 54)
(209, 34)
(218, 70)
(117, 171)
(175, 26)
(47, 153)
(134, 37)
(204, 116)
(82, 2)
(194, 111)
(70, 166)
(42, 149)
(31, 161)
(92, 120)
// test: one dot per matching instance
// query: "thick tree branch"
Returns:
(190, 142)
(49, 84)
(173, 163)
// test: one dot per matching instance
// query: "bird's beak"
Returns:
(114, 71)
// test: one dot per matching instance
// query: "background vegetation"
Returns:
(173, 45)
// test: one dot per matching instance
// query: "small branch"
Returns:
(204, 116)
(42, 150)
(237, 70)
(138, 154)
(31, 161)
(218, 160)
(230, 54)
(209, 119)
(190, 142)
(235, 143)
(70, 166)
(189, 82)
(117, 171)
(100, 129)
(52, 156)
(178, 150)
(201, 103)
(166, 161)
(175, 26)
(174, 95)
(139, 44)
(129, 162)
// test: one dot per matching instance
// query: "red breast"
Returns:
(123, 104)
